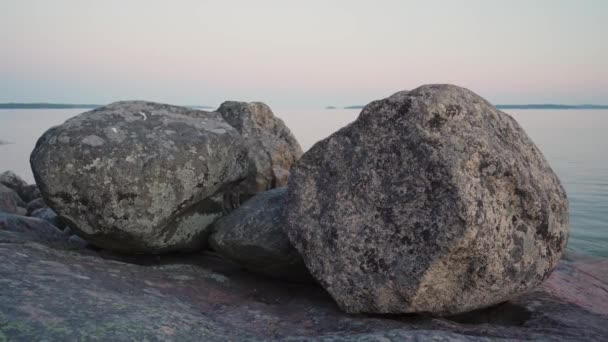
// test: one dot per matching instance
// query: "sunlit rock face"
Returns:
(272, 148)
(140, 177)
(431, 201)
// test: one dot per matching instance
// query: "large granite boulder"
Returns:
(140, 177)
(10, 202)
(431, 201)
(253, 236)
(272, 148)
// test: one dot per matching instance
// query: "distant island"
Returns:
(551, 106)
(2, 142)
(44, 105)
(331, 107)
(531, 106)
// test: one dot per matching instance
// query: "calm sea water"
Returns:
(574, 141)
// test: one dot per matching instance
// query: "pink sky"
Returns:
(304, 55)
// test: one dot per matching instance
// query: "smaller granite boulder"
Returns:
(10, 202)
(272, 148)
(12, 180)
(34, 205)
(431, 201)
(21, 229)
(48, 215)
(30, 192)
(253, 236)
(27, 192)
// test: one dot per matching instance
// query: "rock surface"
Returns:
(140, 177)
(30, 193)
(271, 147)
(253, 236)
(34, 205)
(48, 215)
(431, 201)
(13, 181)
(10, 202)
(21, 229)
(27, 192)
(55, 294)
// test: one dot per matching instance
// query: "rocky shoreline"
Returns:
(69, 293)
(432, 216)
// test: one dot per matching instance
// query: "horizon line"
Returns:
(58, 105)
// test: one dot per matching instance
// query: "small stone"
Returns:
(48, 215)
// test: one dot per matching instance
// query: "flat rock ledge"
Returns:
(57, 294)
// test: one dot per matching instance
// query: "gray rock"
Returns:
(34, 205)
(77, 242)
(11, 180)
(27, 192)
(253, 236)
(140, 177)
(30, 192)
(272, 148)
(48, 215)
(21, 229)
(55, 295)
(431, 201)
(14, 182)
(10, 202)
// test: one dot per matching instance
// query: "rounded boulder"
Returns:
(140, 177)
(272, 148)
(431, 201)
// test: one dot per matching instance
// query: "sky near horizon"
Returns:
(305, 54)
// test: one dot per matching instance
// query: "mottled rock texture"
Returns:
(431, 201)
(253, 236)
(53, 294)
(140, 177)
(12, 180)
(10, 202)
(272, 149)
